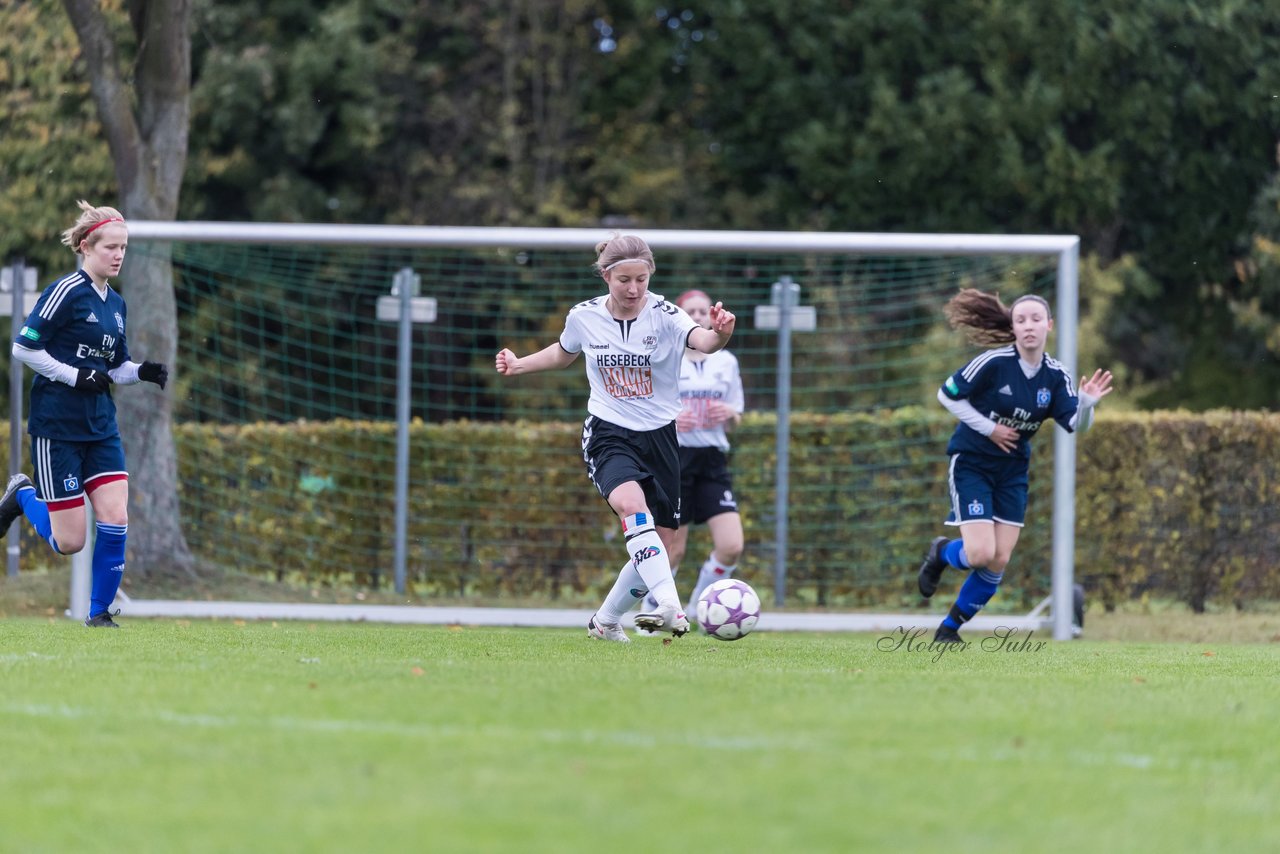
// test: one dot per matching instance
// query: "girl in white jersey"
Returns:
(634, 342)
(713, 400)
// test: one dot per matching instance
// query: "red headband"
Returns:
(100, 225)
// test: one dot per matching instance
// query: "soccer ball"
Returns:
(728, 609)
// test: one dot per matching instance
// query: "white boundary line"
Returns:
(540, 617)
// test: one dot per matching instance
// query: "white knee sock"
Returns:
(650, 559)
(624, 594)
(648, 603)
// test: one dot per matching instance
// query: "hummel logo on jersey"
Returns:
(598, 346)
(1006, 390)
(92, 318)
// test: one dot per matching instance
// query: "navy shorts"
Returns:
(65, 470)
(616, 455)
(706, 487)
(987, 489)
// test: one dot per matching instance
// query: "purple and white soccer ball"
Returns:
(729, 609)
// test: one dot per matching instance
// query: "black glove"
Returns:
(92, 380)
(153, 372)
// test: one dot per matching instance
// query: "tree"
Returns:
(146, 126)
(51, 147)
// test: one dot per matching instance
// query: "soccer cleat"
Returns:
(946, 634)
(931, 569)
(10, 509)
(102, 621)
(670, 620)
(606, 631)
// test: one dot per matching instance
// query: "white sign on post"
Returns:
(804, 318)
(29, 295)
(421, 309)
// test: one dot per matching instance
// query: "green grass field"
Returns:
(213, 736)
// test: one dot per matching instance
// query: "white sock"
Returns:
(624, 594)
(650, 559)
(711, 572)
(648, 603)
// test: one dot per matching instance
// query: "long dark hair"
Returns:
(983, 317)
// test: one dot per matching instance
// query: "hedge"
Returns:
(1171, 505)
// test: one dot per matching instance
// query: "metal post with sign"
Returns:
(17, 297)
(785, 314)
(405, 307)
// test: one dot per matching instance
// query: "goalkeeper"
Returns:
(74, 339)
(1001, 398)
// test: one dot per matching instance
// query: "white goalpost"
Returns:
(1060, 253)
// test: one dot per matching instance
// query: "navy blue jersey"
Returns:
(996, 386)
(76, 326)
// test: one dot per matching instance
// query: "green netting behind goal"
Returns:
(288, 336)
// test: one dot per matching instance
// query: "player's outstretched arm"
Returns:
(1097, 386)
(546, 359)
(1090, 394)
(717, 337)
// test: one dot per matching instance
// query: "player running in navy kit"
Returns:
(1001, 399)
(712, 401)
(74, 339)
(633, 341)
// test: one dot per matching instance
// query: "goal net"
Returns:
(289, 409)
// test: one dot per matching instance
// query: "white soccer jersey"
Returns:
(714, 378)
(633, 365)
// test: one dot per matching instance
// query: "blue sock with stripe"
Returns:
(953, 553)
(107, 566)
(37, 512)
(976, 591)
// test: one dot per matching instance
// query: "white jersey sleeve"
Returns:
(571, 337)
